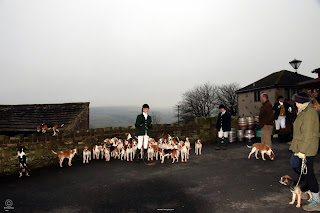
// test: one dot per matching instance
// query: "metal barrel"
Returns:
(249, 135)
(243, 123)
(251, 123)
(232, 135)
(240, 135)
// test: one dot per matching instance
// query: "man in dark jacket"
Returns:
(223, 127)
(281, 111)
(143, 125)
(266, 120)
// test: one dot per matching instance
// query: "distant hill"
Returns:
(123, 116)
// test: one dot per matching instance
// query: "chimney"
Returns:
(317, 71)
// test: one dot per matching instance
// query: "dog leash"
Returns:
(304, 169)
(148, 164)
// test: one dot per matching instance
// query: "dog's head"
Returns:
(272, 155)
(39, 128)
(134, 143)
(21, 149)
(74, 151)
(286, 180)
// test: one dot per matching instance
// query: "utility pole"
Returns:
(178, 113)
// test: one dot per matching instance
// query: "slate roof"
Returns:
(26, 118)
(283, 79)
(314, 83)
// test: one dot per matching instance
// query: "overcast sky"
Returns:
(130, 52)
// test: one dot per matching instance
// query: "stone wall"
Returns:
(39, 145)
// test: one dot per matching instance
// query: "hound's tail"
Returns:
(54, 152)
(248, 146)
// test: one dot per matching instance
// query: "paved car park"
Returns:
(217, 181)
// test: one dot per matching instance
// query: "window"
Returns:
(288, 93)
(257, 96)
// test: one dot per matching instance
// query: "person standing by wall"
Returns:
(315, 94)
(223, 127)
(143, 125)
(266, 120)
(281, 111)
(309, 92)
(305, 145)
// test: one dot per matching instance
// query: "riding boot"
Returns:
(219, 143)
(225, 143)
(136, 157)
(145, 154)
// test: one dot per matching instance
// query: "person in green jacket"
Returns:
(305, 145)
(143, 125)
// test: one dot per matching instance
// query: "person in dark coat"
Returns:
(143, 125)
(223, 127)
(266, 120)
(281, 111)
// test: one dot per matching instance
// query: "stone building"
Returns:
(24, 119)
(278, 83)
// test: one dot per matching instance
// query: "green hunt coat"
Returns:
(277, 109)
(306, 132)
(142, 125)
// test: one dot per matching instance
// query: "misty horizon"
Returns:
(120, 53)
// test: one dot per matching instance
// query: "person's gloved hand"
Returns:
(290, 109)
(301, 155)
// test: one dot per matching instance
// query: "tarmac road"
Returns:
(217, 181)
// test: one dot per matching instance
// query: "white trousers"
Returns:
(143, 139)
(222, 134)
(280, 122)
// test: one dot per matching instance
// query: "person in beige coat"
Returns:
(305, 146)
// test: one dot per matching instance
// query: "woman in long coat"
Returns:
(305, 145)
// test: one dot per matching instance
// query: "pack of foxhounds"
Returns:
(166, 147)
(125, 150)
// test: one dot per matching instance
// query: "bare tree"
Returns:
(228, 97)
(200, 101)
(155, 118)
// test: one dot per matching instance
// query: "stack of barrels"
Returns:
(247, 126)
(232, 135)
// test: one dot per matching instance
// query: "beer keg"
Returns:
(232, 135)
(250, 121)
(249, 135)
(240, 135)
(243, 123)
